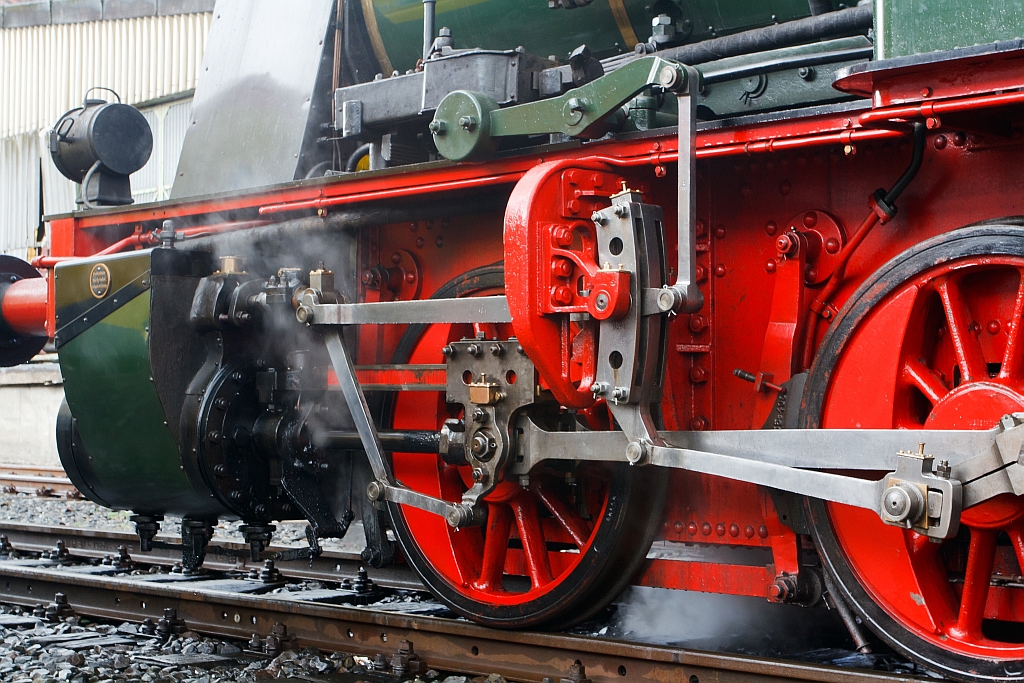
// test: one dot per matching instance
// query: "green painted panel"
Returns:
(506, 24)
(134, 461)
(909, 27)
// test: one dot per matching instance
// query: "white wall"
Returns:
(30, 396)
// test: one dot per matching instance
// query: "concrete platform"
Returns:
(30, 396)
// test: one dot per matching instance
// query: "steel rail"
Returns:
(220, 555)
(443, 644)
(36, 480)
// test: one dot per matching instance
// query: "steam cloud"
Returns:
(731, 623)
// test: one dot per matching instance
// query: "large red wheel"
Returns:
(553, 551)
(932, 340)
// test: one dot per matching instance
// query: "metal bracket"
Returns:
(493, 381)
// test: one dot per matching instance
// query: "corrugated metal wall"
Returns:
(46, 70)
(19, 193)
(153, 181)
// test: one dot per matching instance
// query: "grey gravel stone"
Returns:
(82, 513)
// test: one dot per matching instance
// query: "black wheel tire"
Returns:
(983, 239)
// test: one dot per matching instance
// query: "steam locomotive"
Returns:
(573, 295)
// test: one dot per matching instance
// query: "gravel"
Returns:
(52, 653)
(16, 507)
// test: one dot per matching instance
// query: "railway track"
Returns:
(34, 480)
(216, 604)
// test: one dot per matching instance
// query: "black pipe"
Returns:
(830, 25)
(353, 159)
(406, 441)
(915, 165)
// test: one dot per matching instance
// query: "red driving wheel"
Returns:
(932, 341)
(554, 550)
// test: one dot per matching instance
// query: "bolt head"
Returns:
(896, 503)
(374, 490)
(672, 77)
(635, 452)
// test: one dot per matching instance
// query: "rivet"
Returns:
(720, 529)
(993, 327)
(691, 529)
(749, 532)
(734, 530)
(763, 532)
(771, 227)
(770, 265)
(706, 528)
(720, 270)
(678, 526)
(720, 231)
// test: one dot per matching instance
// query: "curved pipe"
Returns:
(353, 159)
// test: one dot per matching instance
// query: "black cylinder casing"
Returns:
(114, 134)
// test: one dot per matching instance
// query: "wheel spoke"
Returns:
(1014, 340)
(575, 525)
(499, 526)
(965, 345)
(980, 558)
(1016, 534)
(932, 579)
(535, 546)
(916, 373)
